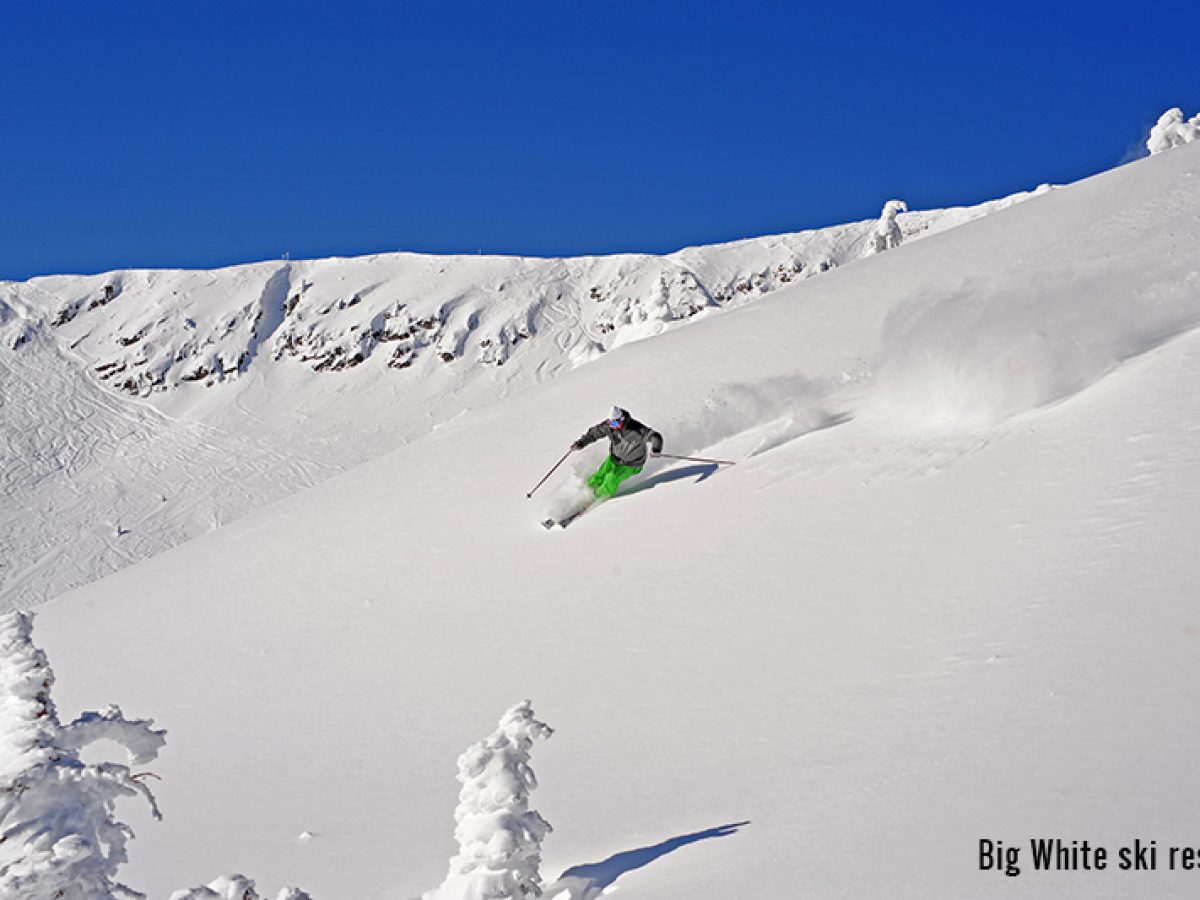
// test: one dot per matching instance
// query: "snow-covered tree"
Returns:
(59, 839)
(234, 887)
(887, 234)
(499, 836)
(1172, 131)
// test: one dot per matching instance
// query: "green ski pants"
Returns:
(605, 481)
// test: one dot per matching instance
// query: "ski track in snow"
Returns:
(93, 481)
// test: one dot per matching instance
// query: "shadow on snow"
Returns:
(589, 881)
(701, 472)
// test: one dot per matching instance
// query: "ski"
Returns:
(566, 520)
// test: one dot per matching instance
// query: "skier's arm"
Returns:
(592, 435)
(651, 437)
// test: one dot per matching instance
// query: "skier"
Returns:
(627, 442)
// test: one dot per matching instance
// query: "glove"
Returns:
(576, 445)
(656, 446)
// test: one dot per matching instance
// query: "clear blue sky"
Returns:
(197, 133)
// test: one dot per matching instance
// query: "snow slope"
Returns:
(92, 482)
(948, 593)
(269, 377)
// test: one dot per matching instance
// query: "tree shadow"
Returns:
(700, 472)
(589, 881)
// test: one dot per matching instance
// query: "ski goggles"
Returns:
(615, 423)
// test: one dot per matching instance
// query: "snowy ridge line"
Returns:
(148, 331)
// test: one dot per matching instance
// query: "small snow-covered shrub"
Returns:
(58, 835)
(499, 836)
(887, 234)
(234, 887)
(1173, 131)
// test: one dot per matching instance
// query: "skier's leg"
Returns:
(600, 475)
(613, 478)
(622, 473)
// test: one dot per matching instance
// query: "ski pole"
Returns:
(719, 462)
(548, 474)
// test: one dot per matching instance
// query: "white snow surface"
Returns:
(139, 409)
(947, 593)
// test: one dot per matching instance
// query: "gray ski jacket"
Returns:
(627, 444)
